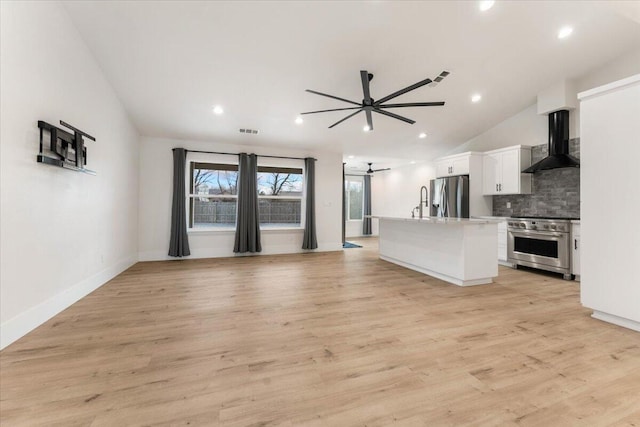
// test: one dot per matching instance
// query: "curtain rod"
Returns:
(235, 154)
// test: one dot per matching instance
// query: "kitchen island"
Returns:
(461, 251)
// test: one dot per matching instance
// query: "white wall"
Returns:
(523, 128)
(63, 233)
(156, 171)
(527, 127)
(395, 192)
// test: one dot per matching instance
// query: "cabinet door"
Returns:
(443, 169)
(460, 166)
(502, 241)
(510, 180)
(575, 249)
(490, 163)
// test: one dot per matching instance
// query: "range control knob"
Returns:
(546, 226)
(534, 227)
(553, 226)
(523, 225)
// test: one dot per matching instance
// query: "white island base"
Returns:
(457, 250)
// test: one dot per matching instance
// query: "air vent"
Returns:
(250, 131)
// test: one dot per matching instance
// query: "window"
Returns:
(213, 195)
(280, 193)
(354, 197)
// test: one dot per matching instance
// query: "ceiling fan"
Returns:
(369, 104)
(370, 171)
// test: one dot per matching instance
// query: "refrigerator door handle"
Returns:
(444, 200)
(461, 196)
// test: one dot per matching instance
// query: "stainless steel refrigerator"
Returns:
(450, 197)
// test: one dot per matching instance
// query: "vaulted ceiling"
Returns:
(171, 62)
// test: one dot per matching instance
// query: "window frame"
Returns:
(290, 165)
(350, 178)
(191, 195)
(232, 160)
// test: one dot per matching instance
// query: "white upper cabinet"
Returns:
(453, 165)
(502, 171)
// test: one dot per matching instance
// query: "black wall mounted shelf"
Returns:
(66, 149)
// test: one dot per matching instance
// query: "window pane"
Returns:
(283, 182)
(212, 178)
(212, 212)
(278, 213)
(354, 190)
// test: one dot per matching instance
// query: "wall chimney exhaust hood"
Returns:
(558, 156)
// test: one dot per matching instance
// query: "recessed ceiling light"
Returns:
(485, 5)
(366, 128)
(352, 157)
(565, 32)
(299, 120)
(422, 135)
(218, 110)
(476, 98)
(412, 162)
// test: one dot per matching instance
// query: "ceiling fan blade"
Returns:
(380, 170)
(395, 116)
(364, 76)
(348, 117)
(334, 109)
(403, 91)
(369, 119)
(333, 97)
(412, 104)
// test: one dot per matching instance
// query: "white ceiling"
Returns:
(171, 62)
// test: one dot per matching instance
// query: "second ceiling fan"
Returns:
(370, 170)
(369, 105)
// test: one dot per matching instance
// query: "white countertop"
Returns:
(495, 218)
(438, 220)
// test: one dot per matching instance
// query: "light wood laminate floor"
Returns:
(321, 339)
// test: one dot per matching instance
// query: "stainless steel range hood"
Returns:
(558, 145)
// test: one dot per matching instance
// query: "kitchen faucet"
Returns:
(426, 196)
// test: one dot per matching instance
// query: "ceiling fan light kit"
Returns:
(369, 105)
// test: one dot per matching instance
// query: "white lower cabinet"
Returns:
(575, 250)
(502, 242)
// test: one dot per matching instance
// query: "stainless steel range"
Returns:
(543, 243)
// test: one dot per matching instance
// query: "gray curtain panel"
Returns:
(366, 222)
(310, 241)
(179, 243)
(248, 218)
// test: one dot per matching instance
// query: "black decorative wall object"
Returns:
(66, 149)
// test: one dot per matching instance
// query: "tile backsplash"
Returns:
(554, 192)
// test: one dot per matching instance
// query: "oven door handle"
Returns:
(533, 233)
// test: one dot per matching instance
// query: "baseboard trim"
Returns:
(217, 253)
(616, 320)
(441, 276)
(20, 325)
